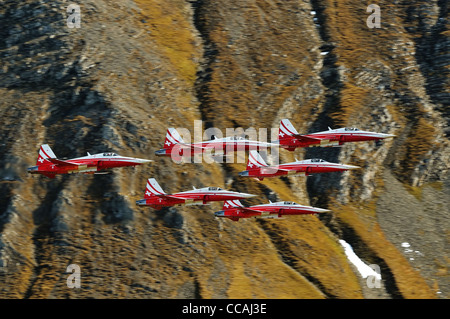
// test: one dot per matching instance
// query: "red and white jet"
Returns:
(175, 146)
(48, 165)
(155, 197)
(257, 167)
(234, 210)
(289, 138)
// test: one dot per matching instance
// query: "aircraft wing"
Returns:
(306, 139)
(196, 147)
(61, 163)
(286, 170)
(166, 196)
(272, 170)
(248, 210)
(193, 146)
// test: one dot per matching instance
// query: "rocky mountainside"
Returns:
(135, 68)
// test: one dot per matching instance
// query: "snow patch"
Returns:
(363, 268)
(409, 250)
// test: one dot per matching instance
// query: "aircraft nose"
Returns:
(245, 195)
(32, 169)
(383, 136)
(321, 210)
(346, 167)
(143, 161)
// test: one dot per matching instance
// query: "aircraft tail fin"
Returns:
(172, 138)
(229, 204)
(153, 188)
(286, 129)
(45, 152)
(255, 160)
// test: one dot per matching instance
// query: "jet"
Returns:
(289, 138)
(257, 167)
(234, 210)
(175, 146)
(156, 198)
(48, 165)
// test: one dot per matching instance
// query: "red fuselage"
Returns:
(86, 165)
(304, 168)
(219, 146)
(272, 210)
(330, 138)
(194, 197)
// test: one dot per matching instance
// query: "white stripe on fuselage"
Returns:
(322, 165)
(227, 142)
(208, 193)
(283, 207)
(93, 157)
(324, 134)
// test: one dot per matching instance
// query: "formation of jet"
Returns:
(234, 210)
(290, 139)
(155, 197)
(257, 167)
(48, 165)
(175, 146)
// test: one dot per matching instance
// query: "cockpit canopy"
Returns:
(110, 154)
(351, 129)
(236, 138)
(214, 188)
(290, 203)
(317, 160)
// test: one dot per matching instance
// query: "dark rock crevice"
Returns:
(202, 22)
(363, 251)
(43, 235)
(320, 187)
(432, 50)
(287, 256)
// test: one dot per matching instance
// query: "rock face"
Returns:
(135, 68)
